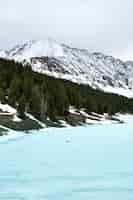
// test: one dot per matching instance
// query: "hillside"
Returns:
(49, 99)
(97, 70)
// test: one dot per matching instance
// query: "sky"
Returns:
(97, 25)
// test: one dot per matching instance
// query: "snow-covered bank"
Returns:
(9, 119)
(7, 110)
(125, 117)
(13, 135)
(74, 118)
(34, 119)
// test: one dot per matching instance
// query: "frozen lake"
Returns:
(82, 163)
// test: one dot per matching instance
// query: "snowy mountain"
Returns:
(3, 54)
(77, 65)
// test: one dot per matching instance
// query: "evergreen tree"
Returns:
(46, 96)
(21, 107)
(2, 95)
(35, 102)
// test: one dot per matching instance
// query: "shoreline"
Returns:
(10, 133)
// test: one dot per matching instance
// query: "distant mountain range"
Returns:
(77, 65)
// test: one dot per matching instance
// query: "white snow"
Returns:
(125, 117)
(16, 119)
(7, 109)
(72, 110)
(48, 48)
(117, 90)
(95, 118)
(3, 54)
(64, 123)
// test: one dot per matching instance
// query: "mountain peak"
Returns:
(77, 65)
(36, 48)
(3, 54)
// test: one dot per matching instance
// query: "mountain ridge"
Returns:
(96, 69)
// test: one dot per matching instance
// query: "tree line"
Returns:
(45, 96)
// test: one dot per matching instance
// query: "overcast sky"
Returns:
(97, 25)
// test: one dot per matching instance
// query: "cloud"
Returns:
(99, 25)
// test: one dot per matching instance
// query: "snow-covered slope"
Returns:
(3, 54)
(35, 48)
(77, 65)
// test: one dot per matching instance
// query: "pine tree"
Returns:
(15, 91)
(2, 95)
(35, 102)
(21, 107)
